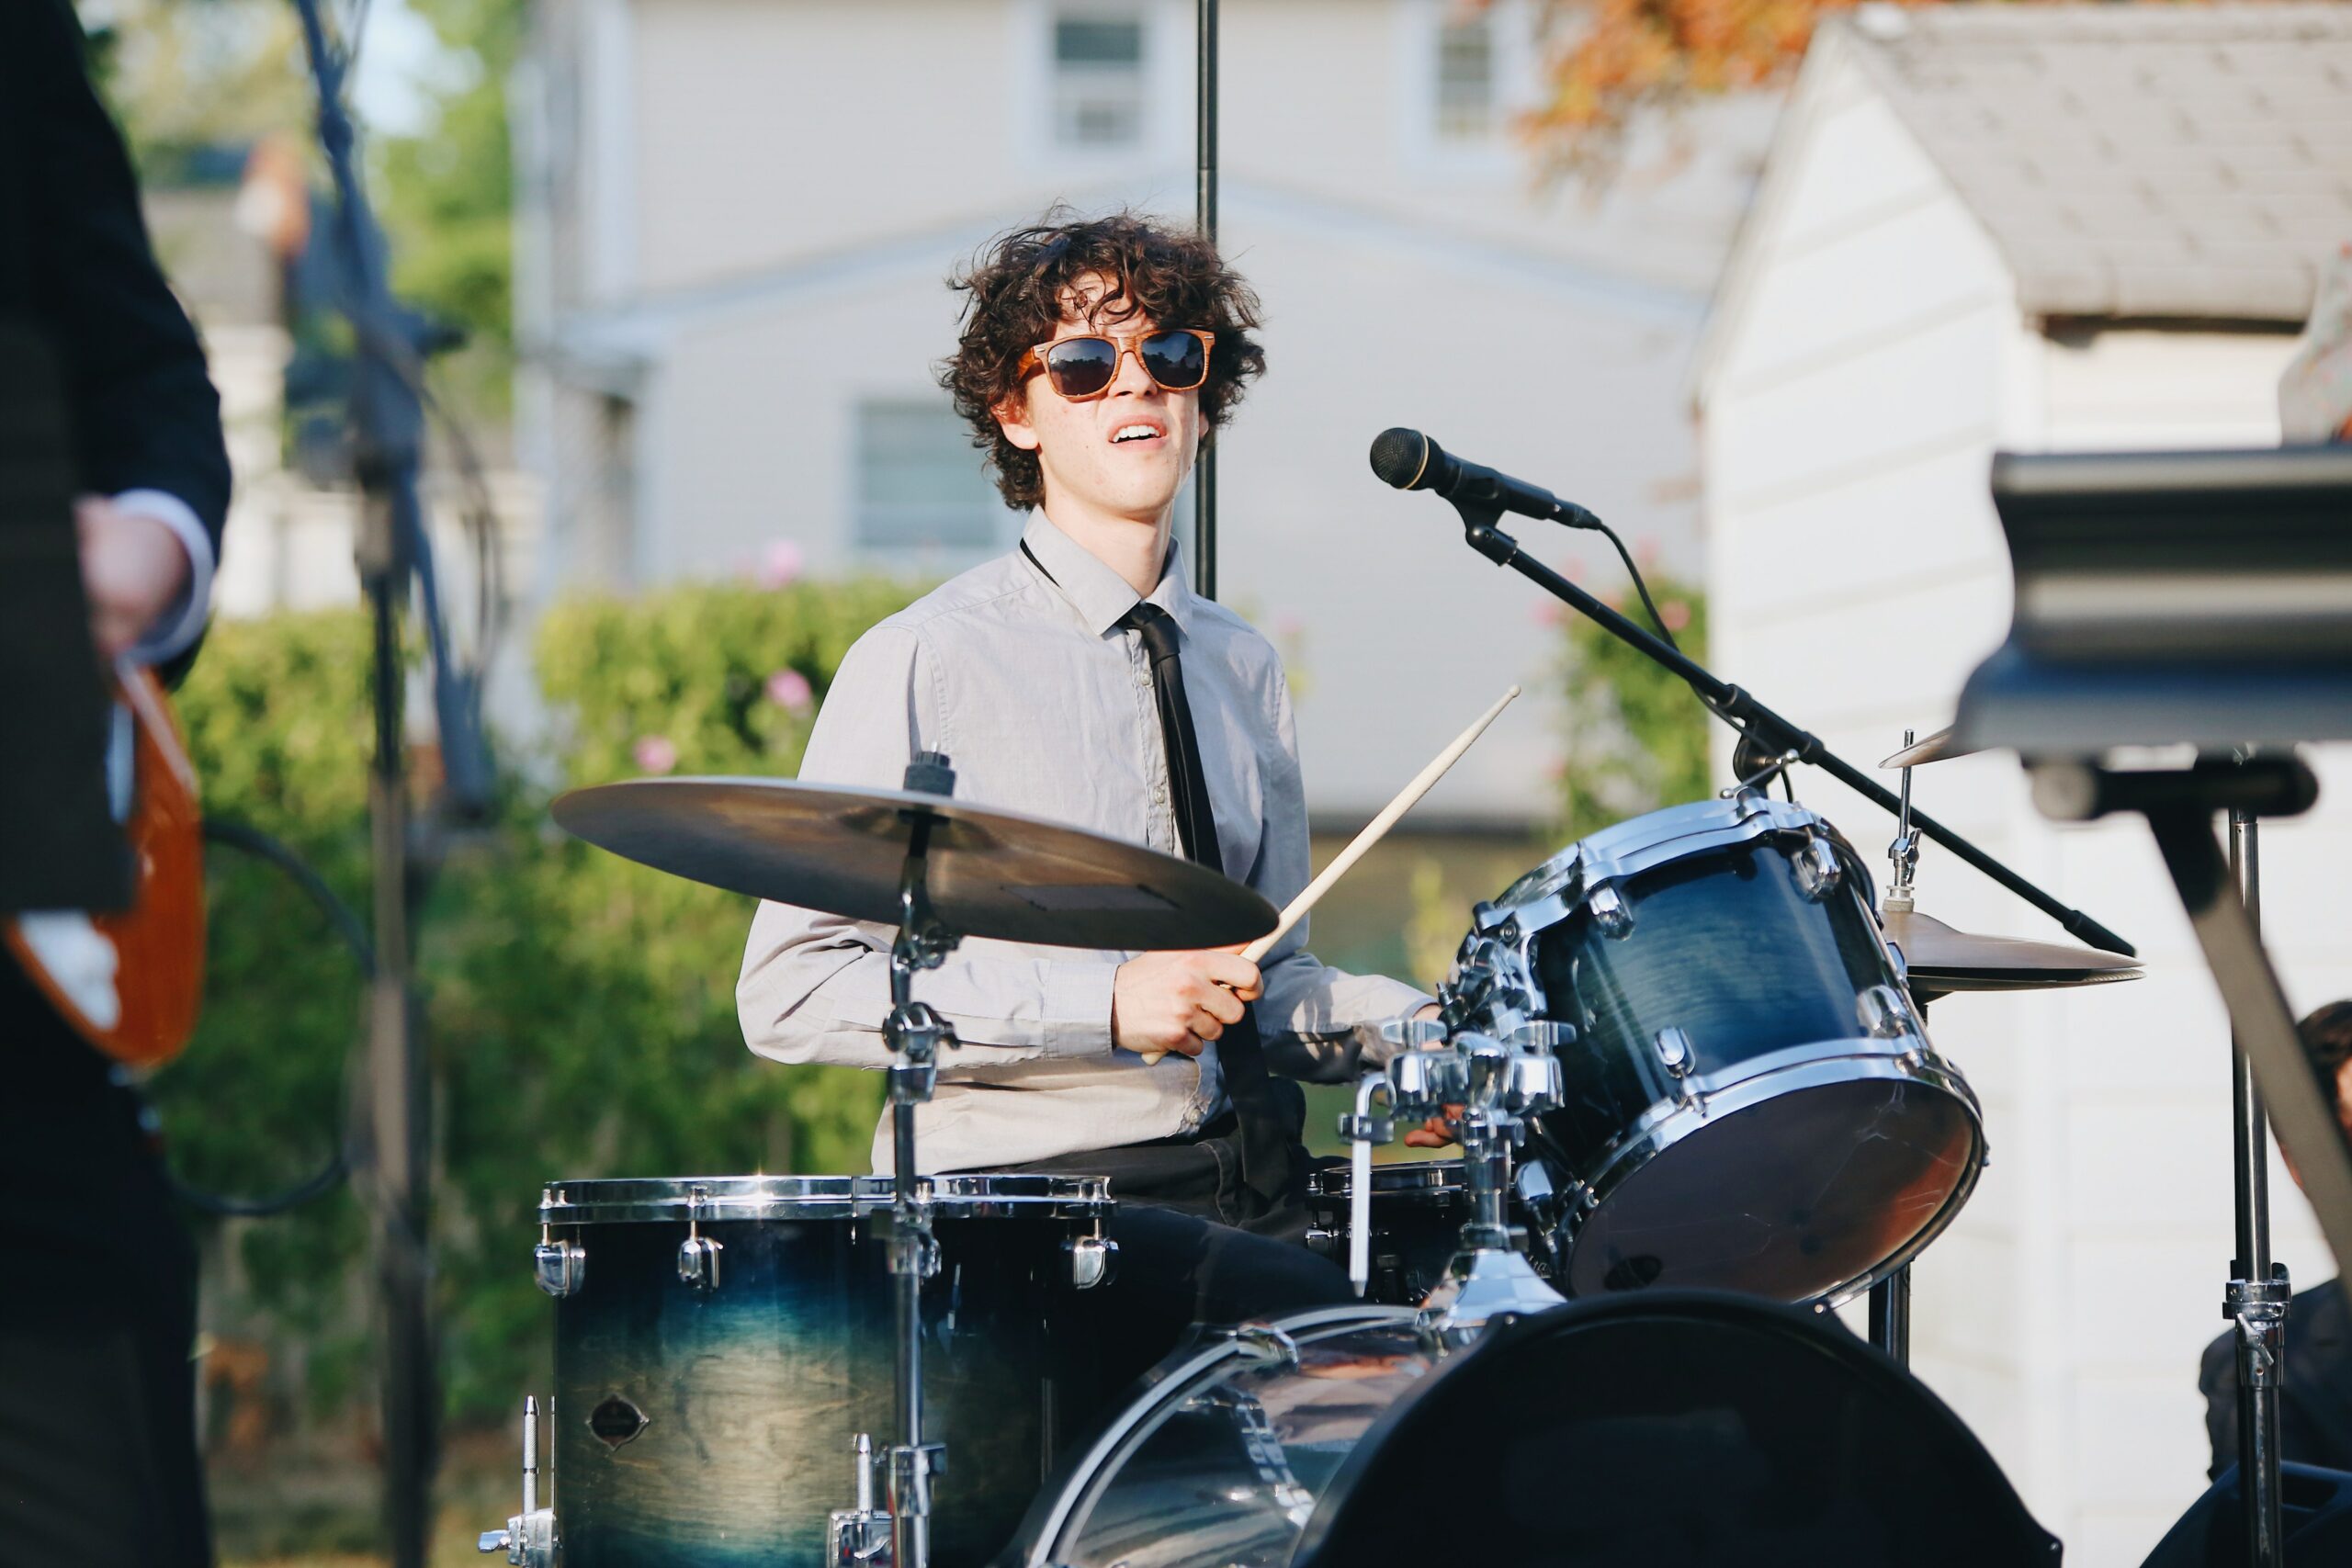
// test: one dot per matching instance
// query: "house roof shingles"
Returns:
(2144, 160)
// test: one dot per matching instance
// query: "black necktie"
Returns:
(1270, 1111)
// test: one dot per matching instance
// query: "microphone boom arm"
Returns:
(1751, 717)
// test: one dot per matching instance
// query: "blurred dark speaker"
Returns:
(2315, 1511)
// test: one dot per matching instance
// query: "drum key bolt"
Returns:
(1609, 913)
(1818, 871)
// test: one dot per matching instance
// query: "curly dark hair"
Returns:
(2327, 1040)
(1017, 291)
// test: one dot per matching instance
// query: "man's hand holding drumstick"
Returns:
(1177, 1002)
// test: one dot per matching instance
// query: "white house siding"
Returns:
(1867, 361)
(801, 178)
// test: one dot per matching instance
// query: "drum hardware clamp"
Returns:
(859, 1537)
(1093, 1260)
(528, 1539)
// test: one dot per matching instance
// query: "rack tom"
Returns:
(720, 1340)
(1751, 1100)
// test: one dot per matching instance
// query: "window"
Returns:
(921, 484)
(1098, 80)
(1466, 79)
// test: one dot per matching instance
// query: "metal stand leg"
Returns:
(1891, 1315)
(2255, 1298)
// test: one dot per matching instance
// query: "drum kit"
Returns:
(1686, 1060)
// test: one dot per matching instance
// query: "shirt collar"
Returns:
(1099, 594)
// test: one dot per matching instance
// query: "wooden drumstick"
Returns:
(1374, 831)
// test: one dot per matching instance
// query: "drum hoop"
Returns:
(1668, 1122)
(1618, 852)
(1407, 1178)
(1080, 1483)
(719, 1199)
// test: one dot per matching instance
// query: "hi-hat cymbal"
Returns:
(1941, 960)
(990, 874)
(1936, 748)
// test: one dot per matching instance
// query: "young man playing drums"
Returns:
(1079, 678)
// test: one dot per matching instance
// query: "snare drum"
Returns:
(719, 1340)
(1752, 1102)
(1419, 1208)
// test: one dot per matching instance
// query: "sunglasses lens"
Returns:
(1176, 360)
(1082, 366)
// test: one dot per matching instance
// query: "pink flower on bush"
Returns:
(779, 564)
(1548, 612)
(655, 753)
(788, 689)
(1675, 613)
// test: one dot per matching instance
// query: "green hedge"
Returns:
(580, 1009)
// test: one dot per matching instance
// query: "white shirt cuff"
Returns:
(179, 626)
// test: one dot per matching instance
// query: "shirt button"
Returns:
(1143, 678)
(1160, 794)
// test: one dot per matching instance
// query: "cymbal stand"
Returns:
(1889, 1299)
(915, 1034)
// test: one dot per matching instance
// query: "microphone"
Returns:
(1409, 460)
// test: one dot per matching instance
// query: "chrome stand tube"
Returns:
(1891, 1315)
(2256, 1296)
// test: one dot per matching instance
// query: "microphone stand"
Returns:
(1777, 735)
(387, 423)
(1204, 214)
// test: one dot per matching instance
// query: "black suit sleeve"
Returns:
(144, 413)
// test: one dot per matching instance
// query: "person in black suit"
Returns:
(2315, 1405)
(99, 1462)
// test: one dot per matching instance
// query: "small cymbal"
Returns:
(1936, 748)
(1941, 960)
(990, 874)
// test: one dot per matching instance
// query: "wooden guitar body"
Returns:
(132, 982)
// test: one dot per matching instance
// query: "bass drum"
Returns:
(1672, 1428)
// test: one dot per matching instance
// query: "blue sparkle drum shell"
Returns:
(712, 1425)
(1752, 1102)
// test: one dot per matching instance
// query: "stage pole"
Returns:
(1204, 215)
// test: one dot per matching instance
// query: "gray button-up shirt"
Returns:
(1045, 707)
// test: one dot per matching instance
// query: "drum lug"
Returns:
(1609, 913)
(1883, 1014)
(698, 1254)
(1818, 871)
(561, 1266)
(1674, 1051)
(1411, 1033)
(1093, 1260)
(698, 1262)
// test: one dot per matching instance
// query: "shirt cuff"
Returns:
(1076, 1021)
(178, 628)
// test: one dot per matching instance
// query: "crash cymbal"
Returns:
(990, 874)
(1941, 960)
(1936, 748)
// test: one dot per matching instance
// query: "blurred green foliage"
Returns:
(580, 1009)
(1636, 734)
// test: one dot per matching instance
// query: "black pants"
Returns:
(1195, 1246)
(99, 1464)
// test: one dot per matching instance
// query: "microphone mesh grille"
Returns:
(1398, 456)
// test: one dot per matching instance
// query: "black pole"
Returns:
(2260, 1344)
(1204, 215)
(1778, 735)
(387, 419)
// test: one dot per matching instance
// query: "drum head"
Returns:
(1798, 1195)
(1675, 1429)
